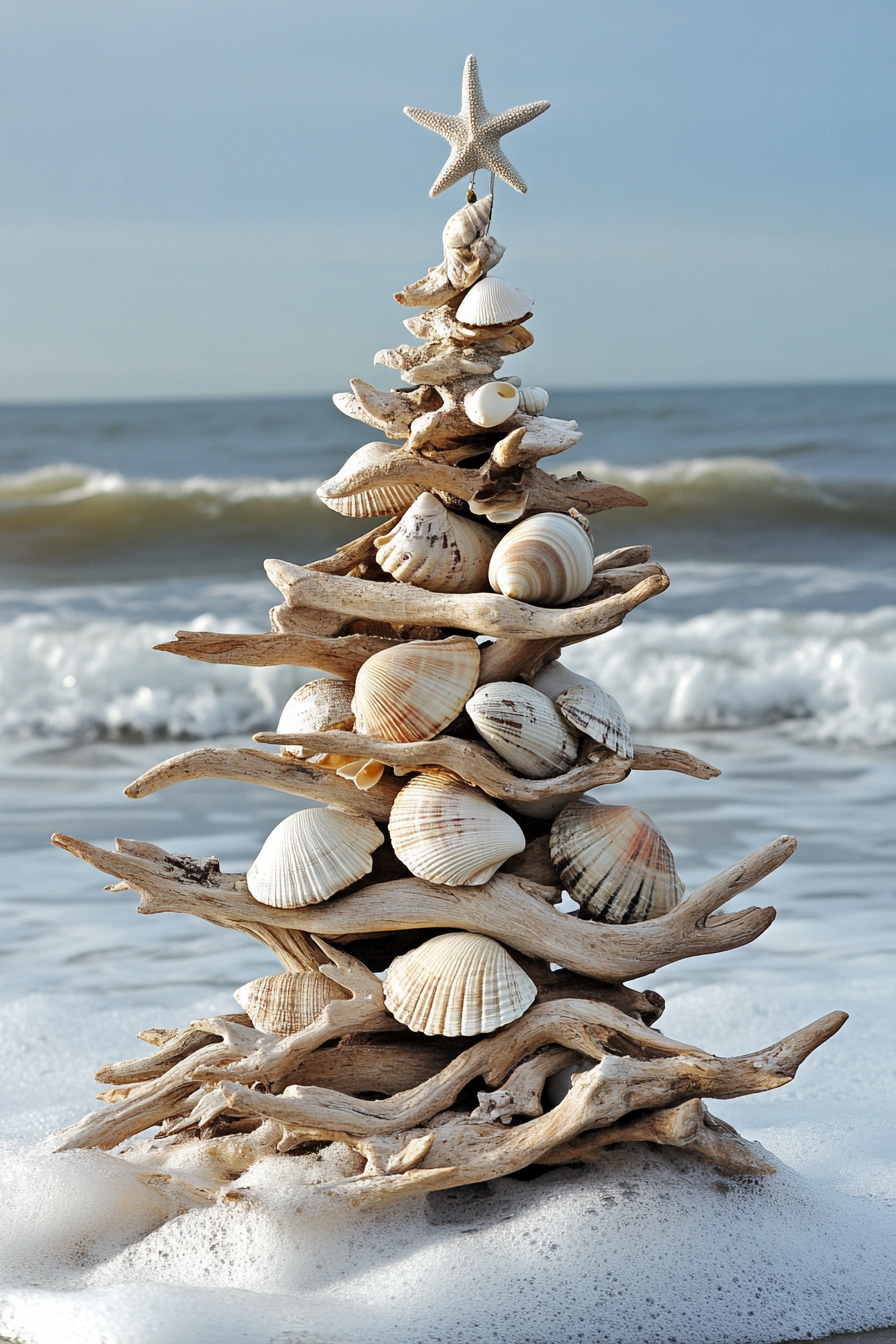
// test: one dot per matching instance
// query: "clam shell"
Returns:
(437, 550)
(312, 855)
(315, 708)
(491, 404)
(458, 984)
(467, 224)
(588, 707)
(524, 727)
(546, 559)
(614, 863)
(492, 302)
(449, 833)
(533, 400)
(287, 1002)
(412, 691)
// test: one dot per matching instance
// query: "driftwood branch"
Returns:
(342, 655)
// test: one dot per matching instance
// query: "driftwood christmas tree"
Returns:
(437, 1019)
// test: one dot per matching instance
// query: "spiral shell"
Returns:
(288, 1002)
(533, 400)
(449, 833)
(524, 727)
(588, 707)
(491, 404)
(458, 984)
(614, 863)
(437, 550)
(312, 855)
(547, 559)
(492, 302)
(412, 691)
(315, 708)
(468, 224)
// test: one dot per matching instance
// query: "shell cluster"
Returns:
(587, 707)
(614, 863)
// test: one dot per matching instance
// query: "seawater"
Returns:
(773, 655)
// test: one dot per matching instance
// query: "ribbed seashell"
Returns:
(371, 500)
(458, 984)
(288, 1002)
(491, 404)
(614, 863)
(492, 302)
(533, 400)
(412, 691)
(449, 833)
(546, 559)
(312, 855)
(437, 550)
(315, 708)
(587, 707)
(524, 727)
(467, 224)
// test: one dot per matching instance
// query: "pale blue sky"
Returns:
(219, 197)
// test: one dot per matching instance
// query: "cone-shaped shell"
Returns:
(614, 863)
(491, 404)
(524, 727)
(412, 691)
(317, 707)
(587, 707)
(492, 302)
(312, 855)
(547, 559)
(468, 223)
(449, 833)
(437, 550)
(533, 400)
(288, 1002)
(458, 984)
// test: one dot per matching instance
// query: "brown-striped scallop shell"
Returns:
(449, 833)
(412, 691)
(312, 855)
(524, 727)
(547, 559)
(288, 1002)
(614, 863)
(437, 550)
(588, 707)
(458, 984)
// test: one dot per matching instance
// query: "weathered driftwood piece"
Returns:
(342, 656)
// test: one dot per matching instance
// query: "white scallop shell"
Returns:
(373, 500)
(588, 707)
(315, 708)
(469, 223)
(491, 404)
(287, 1002)
(524, 727)
(449, 833)
(533, 400)
(614, 863)
(492, 302)
(458, 984)
(546, 559)
(437, 550)
(412, 691)
(312, 855)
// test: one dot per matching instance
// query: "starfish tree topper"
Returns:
(475, 133)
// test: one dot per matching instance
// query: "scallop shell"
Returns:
(312, 855)
(588, 707)
(614, 863)
(468, 224)
(315, 708)
(546, 559)
(437, 550)
(533, 400)
(287, 1002)
(449, 833)
(412, 691)
(458, 984)
(370, 501)
(492, 302)
(524, 727)
(491, 404)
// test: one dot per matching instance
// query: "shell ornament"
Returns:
(412, 691)
(491, 404)
(492, 302)
(458, 984)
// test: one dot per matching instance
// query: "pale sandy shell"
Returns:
(547, 559)
(315, 708)
(312, 855)
(614, 863)
(523, 726)
(491, 404)
(449, 833)
(412, 691)
(437, 550)
(492, 302)
(587, 707)
(370, 501)
(288, 1002)
(469, 223)
(533, 400)
(458, 984)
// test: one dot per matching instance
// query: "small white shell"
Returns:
(312, 855)
(614, 863)
(458, 984)
(588, 707)
(533, 400)
(547, 559)
(437, 550)
(315, 708)
(491, 404)
(524, 727)
(449, 833)
(288, 1002)
(468, 223)
(492, 302)
(412, 691)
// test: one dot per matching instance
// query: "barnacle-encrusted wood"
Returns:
(580, 1067)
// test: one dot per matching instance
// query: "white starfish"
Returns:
(475, 134)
